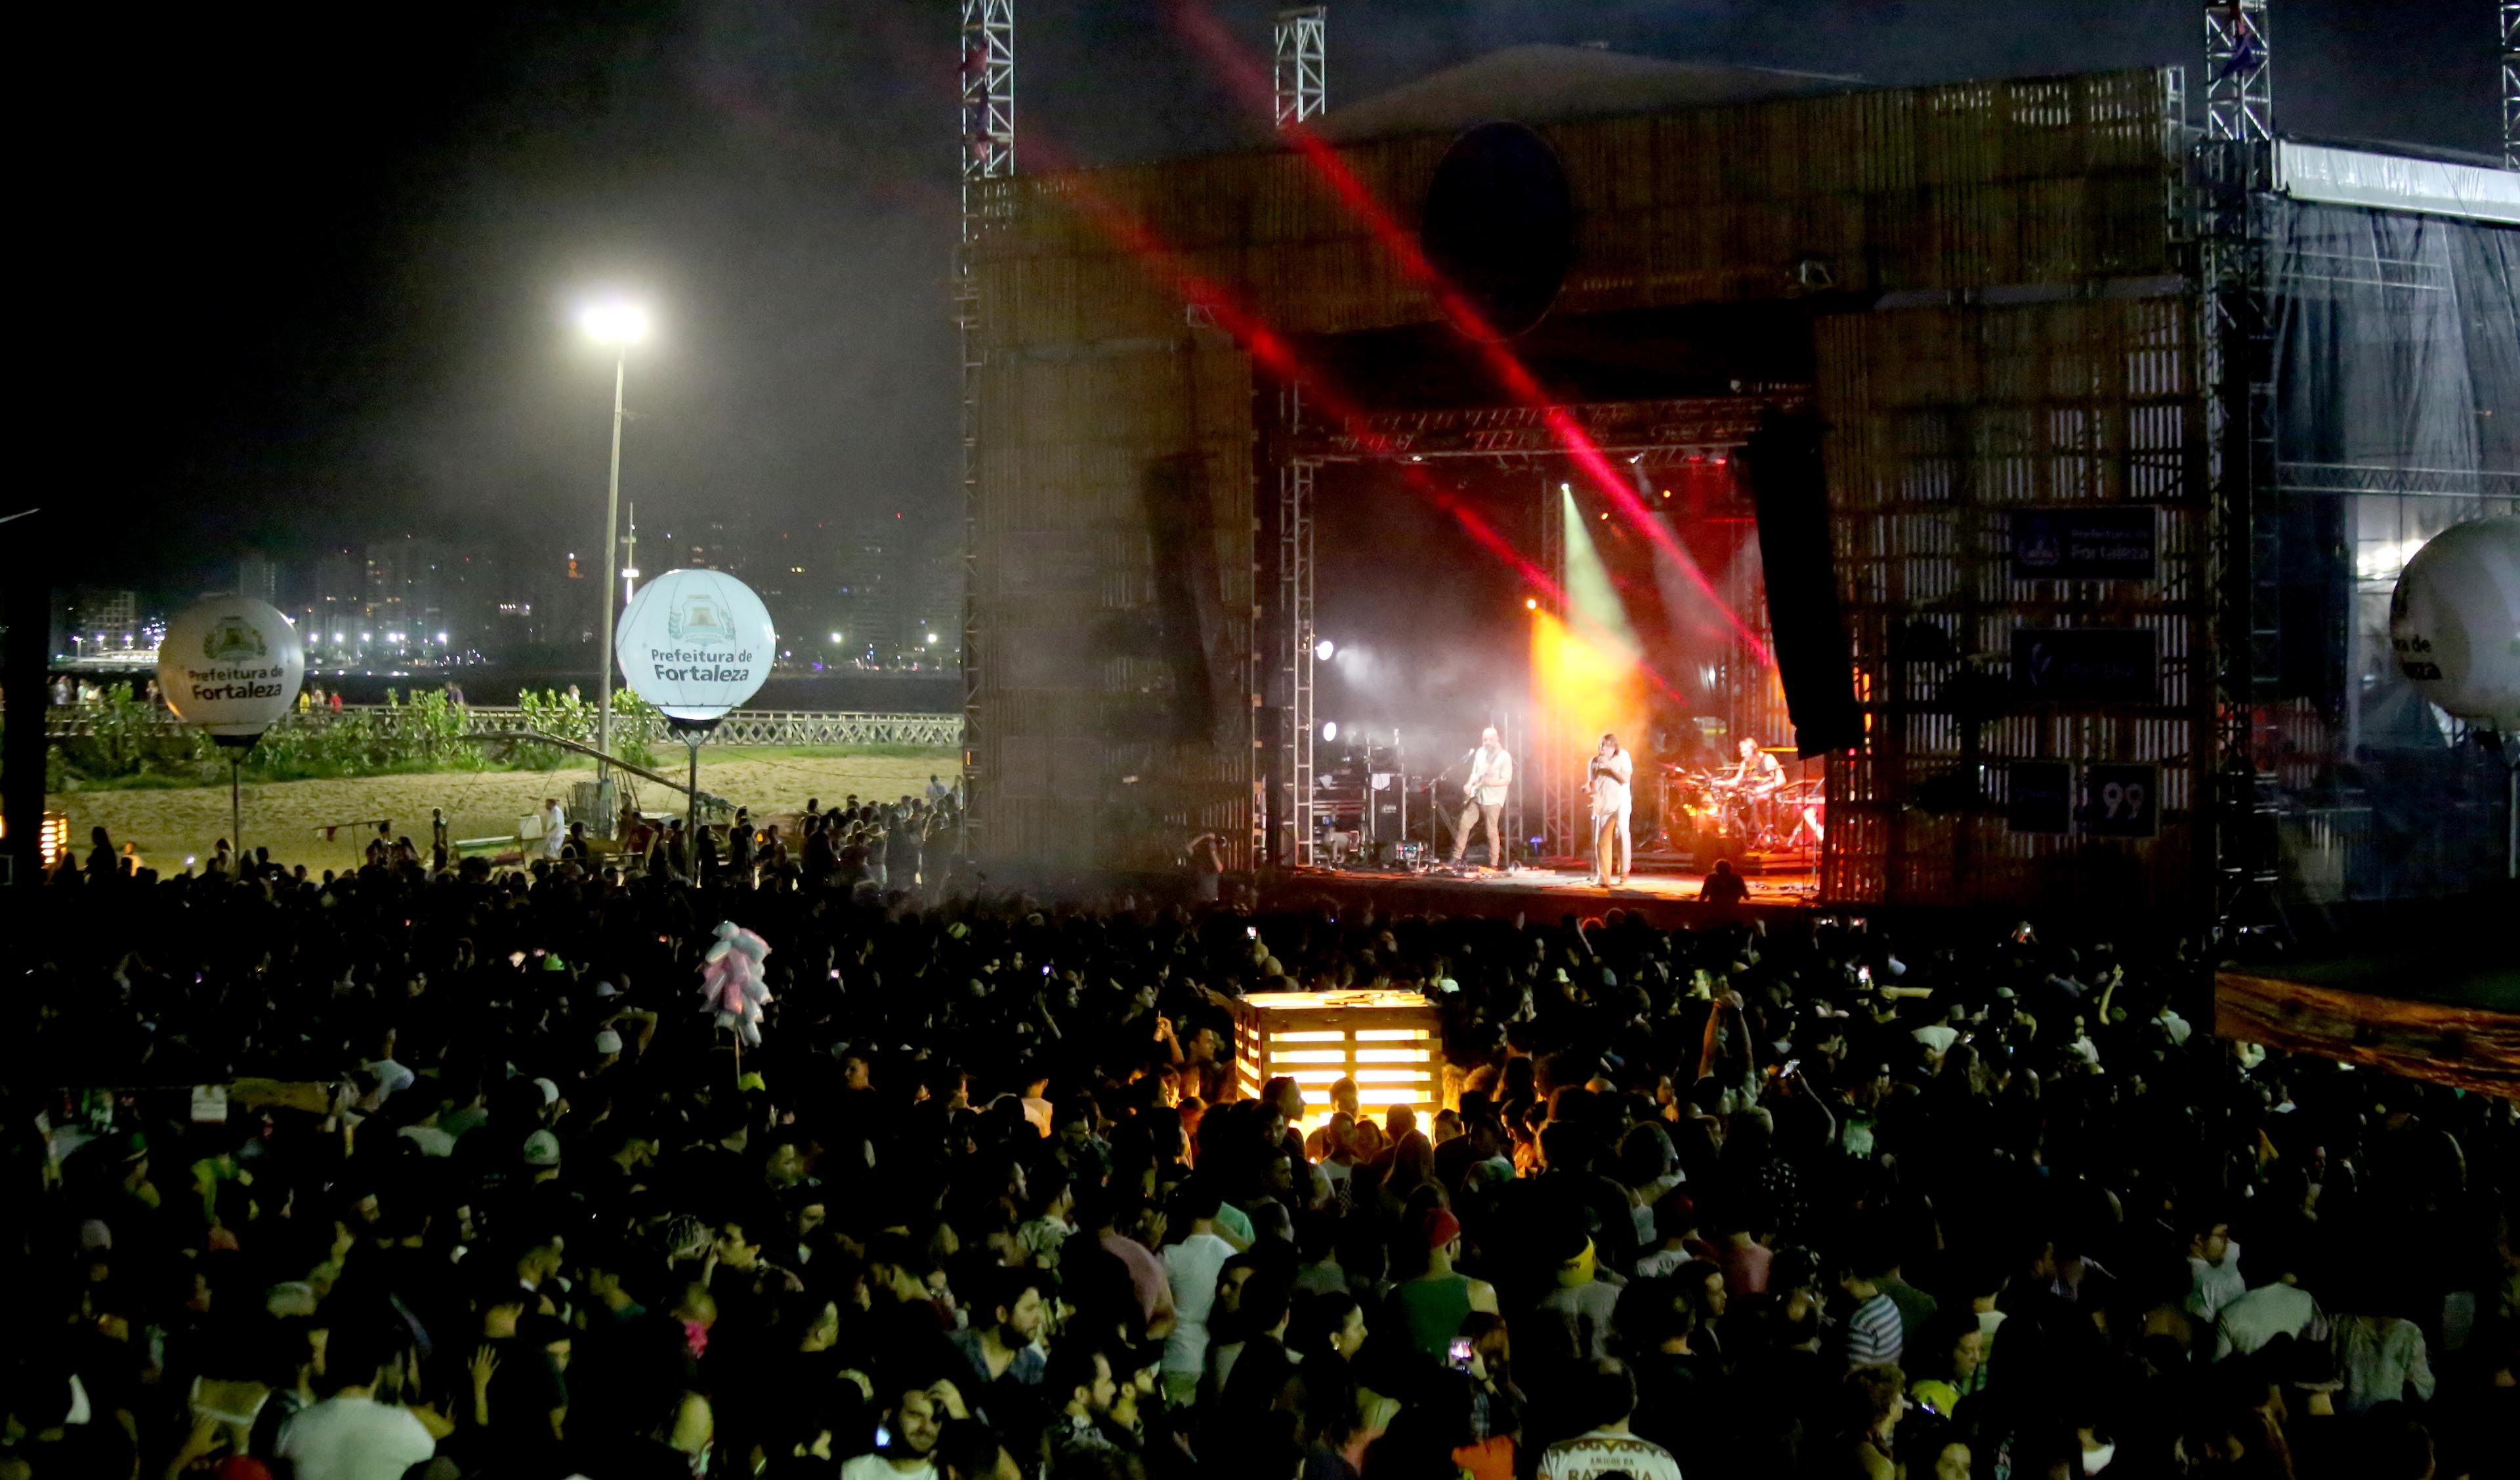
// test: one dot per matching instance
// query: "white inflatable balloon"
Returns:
(695, 644)
(2454, 620)
(231, 664)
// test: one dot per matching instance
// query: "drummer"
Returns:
(1758, 777)
(1760, 774)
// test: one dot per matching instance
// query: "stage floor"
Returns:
(1661, 895)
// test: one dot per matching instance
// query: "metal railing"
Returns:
(743, 727)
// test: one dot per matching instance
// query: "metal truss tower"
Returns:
(2511, 84)
(988, 154)
(1302, 69)
(2236, 169)
(1549, 749)
(1295, 483)
(988, 97)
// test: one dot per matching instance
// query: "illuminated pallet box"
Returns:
(54, 838)
(1390, 1043)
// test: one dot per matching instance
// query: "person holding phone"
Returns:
(1484, 1352)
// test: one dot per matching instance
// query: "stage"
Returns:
(1665, 898)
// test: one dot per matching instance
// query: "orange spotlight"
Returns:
(1586, 684)
(1531, 603)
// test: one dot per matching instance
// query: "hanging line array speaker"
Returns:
(1813, 657)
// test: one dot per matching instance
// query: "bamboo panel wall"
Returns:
(1942, 420)
(1970, 185)
(1080, 759)
(1089, 281)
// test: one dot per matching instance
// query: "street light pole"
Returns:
(620, 324)
(604, 592)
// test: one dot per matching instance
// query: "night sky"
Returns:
(318, 266)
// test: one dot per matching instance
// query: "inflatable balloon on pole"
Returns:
(695, 644)
(231, 666)
(2454, 631)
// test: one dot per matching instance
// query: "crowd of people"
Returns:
(447, 1172)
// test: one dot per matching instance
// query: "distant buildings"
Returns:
(97, 621)
(258, 577)
(858, 592)
(855, 590)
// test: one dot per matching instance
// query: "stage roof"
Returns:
(2343, 177)
(1555, 84)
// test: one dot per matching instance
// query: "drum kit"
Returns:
(1712, 810)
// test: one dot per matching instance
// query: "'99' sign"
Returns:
(2121, 802)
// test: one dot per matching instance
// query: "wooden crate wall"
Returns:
(1941, 421)
(2042, 180)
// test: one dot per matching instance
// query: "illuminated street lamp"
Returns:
(620, 324)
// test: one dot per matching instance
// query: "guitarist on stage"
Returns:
(1483, 797)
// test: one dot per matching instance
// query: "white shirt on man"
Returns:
(1586, 1456)
(2259, 1316)
(878, 1467)
(554, 829)
(354, 1438)
(2212, 1286)
(1491, 773)
(1610, 791)
(1191, 1266)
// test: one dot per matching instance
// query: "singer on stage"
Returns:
(1612, 771)
(1483, 795)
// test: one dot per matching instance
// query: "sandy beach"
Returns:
(286, 817)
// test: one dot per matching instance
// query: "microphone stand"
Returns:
(1400, 778)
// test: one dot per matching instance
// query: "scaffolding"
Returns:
(1552, 751)
(2511, 84)
(988, 99)
(1302, 69)
(1296, 477)
(988, 148)
(2237, 174)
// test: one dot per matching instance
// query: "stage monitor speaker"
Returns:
(1813, 659)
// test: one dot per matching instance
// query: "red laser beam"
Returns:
(1274, 350)
(1516, 378)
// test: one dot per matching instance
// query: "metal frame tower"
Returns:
(1295, 484)
(1550, 750)
(1302, 71)
(2236, 171)
(2511, 84)
(988, 141)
